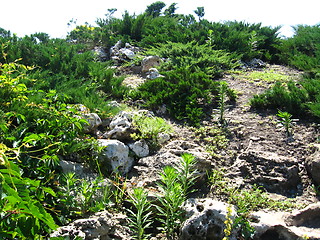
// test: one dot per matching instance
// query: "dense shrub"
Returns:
(184, 93)
(194, 57)
(299, 99)
(303, 49)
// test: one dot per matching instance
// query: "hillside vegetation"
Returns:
(45, 82)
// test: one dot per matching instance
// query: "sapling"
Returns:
(286, 121)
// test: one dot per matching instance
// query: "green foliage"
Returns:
(286, 122)
(171, 201)
(268, 76)
(187, 86)
(149, 127)
(170, 11)
(77, 197)
(247, 40)
(174, 185)
(289, 97)
(300, 99)
(154, 9)
(187, 173)
(303, 49)
(200, 12)
(104, 79)
(39, 127)
(22, 212)
(195, 57)
(140, 218)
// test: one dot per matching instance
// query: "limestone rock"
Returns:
(313, 165)
(150, 62)
(254, 63)
(73, 167)
(153, 73)
(120, 127)
(102, 225)
(146, 171)
(140, 148)
(277, 174)
(94, 121)
(116, 156)
(206, 219)
(128, 53)
(120, 55)
(301, 224)
(100, 54)
(163, 138)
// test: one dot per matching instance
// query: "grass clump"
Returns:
(149, 128)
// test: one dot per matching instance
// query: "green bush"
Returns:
(184, 93)
(36, 129)
(301, 99)
(303, 49)
(289, 98)
(195, 57)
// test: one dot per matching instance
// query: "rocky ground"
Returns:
(252, 149)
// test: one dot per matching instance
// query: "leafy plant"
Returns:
(187, 173)
(120, 186)
(140, 218)
(289, 97)
(175, 184)
(22, 213)
(170, 213)
(286, 121)
(149, 128)
(228, 224)
(194, 57)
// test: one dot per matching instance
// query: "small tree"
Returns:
(170, 11)
(155, 9)
(200, 12)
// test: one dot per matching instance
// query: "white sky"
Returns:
(25, 17)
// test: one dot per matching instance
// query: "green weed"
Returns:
(150, 127)
(140, 217)
(286, 121)
(174, 186)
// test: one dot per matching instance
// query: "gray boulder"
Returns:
(301, 224)
(313, 165)
(150, 62)
(94, 121)
(206, 219)
(140, 148)
(120, 127)
(146, 171)
(100, 54)
(102, 225)
(116, 156)
(153, 73)
(277, 174)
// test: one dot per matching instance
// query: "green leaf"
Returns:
(49, 190)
